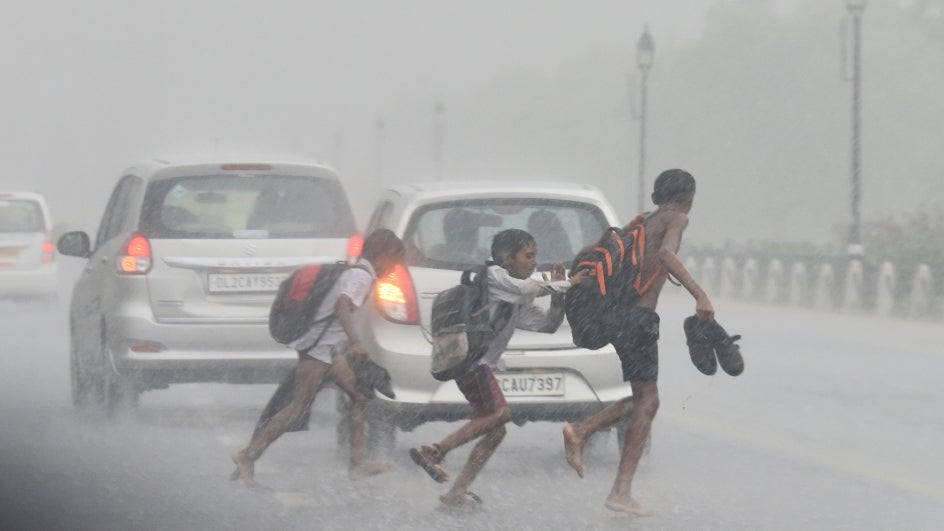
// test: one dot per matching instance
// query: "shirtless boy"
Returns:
(636, 342)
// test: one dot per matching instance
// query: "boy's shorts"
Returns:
(481, 390)
(325, 354)
(637, 344)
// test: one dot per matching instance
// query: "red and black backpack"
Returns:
(298, 299)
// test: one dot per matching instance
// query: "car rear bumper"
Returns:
(407, 416)
(159, 354)
(592, 379)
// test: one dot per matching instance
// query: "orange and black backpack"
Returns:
(594, 307)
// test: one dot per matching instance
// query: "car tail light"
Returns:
(137, 257)
(354, 247)
(144, 346)
(49, 251)
(396, 298)
(246, 167)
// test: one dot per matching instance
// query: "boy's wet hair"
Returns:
(508, 242)
(382, 242)
(673, 186)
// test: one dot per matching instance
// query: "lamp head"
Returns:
(856, 7)
(645, 50)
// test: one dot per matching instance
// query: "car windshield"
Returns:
(457, 235)
(247, 206)
(20, 215)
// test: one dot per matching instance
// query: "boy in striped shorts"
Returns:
(511, 292)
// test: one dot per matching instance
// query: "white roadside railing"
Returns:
(828, 285)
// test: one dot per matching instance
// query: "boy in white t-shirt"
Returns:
(318, 359)
(511, 293)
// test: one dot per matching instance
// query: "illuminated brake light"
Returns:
(354, 247)
(396, 298)
(49, 252)
(137, 257)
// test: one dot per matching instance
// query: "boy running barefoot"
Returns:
(511, 292)
(636, 341)
(319, 356)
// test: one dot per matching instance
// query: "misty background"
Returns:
(746, 94)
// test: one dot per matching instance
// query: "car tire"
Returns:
(83, 390)
(120, 394)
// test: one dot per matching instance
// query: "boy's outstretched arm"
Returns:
(537, 320)
(668, 256)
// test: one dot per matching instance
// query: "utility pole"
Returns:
(644, 57)
(439, 114)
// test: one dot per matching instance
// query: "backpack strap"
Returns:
(638, 227)
(330, 318)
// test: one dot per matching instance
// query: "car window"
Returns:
(21, 215)
(380, 216)
(457, 235)
(116, 216)
(246, 206)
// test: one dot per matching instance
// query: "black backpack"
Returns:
(461, 326)
(594, 307)
(299, 298)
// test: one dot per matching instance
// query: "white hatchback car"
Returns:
(28, 268)
(186, 262)
(448, 227)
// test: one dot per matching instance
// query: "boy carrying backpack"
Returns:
(319, 350)
(634, 332)
(511, 294)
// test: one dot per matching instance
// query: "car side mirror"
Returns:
(74, 243)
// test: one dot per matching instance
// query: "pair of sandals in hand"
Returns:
(710, 345)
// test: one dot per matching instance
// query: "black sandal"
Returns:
(468, 503)
(699, 347)
(429, 458)
(728, 352)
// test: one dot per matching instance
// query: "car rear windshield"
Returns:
(246, 206)
(457, 235)
(21, 215)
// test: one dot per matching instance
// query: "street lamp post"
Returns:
(379, 126)
(439, 111)
(856, 8)
(644, 56)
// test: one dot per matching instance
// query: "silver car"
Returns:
(28, 267)
(184, 267)
(446, 228)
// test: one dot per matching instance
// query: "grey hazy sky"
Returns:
(92, 86)
(532, 88)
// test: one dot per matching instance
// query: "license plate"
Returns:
(531, 384)
(9, 252)
(240, 282)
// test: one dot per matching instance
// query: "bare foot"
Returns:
(627, 505)
(365, 470)
(245, 466)
(573, 449)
